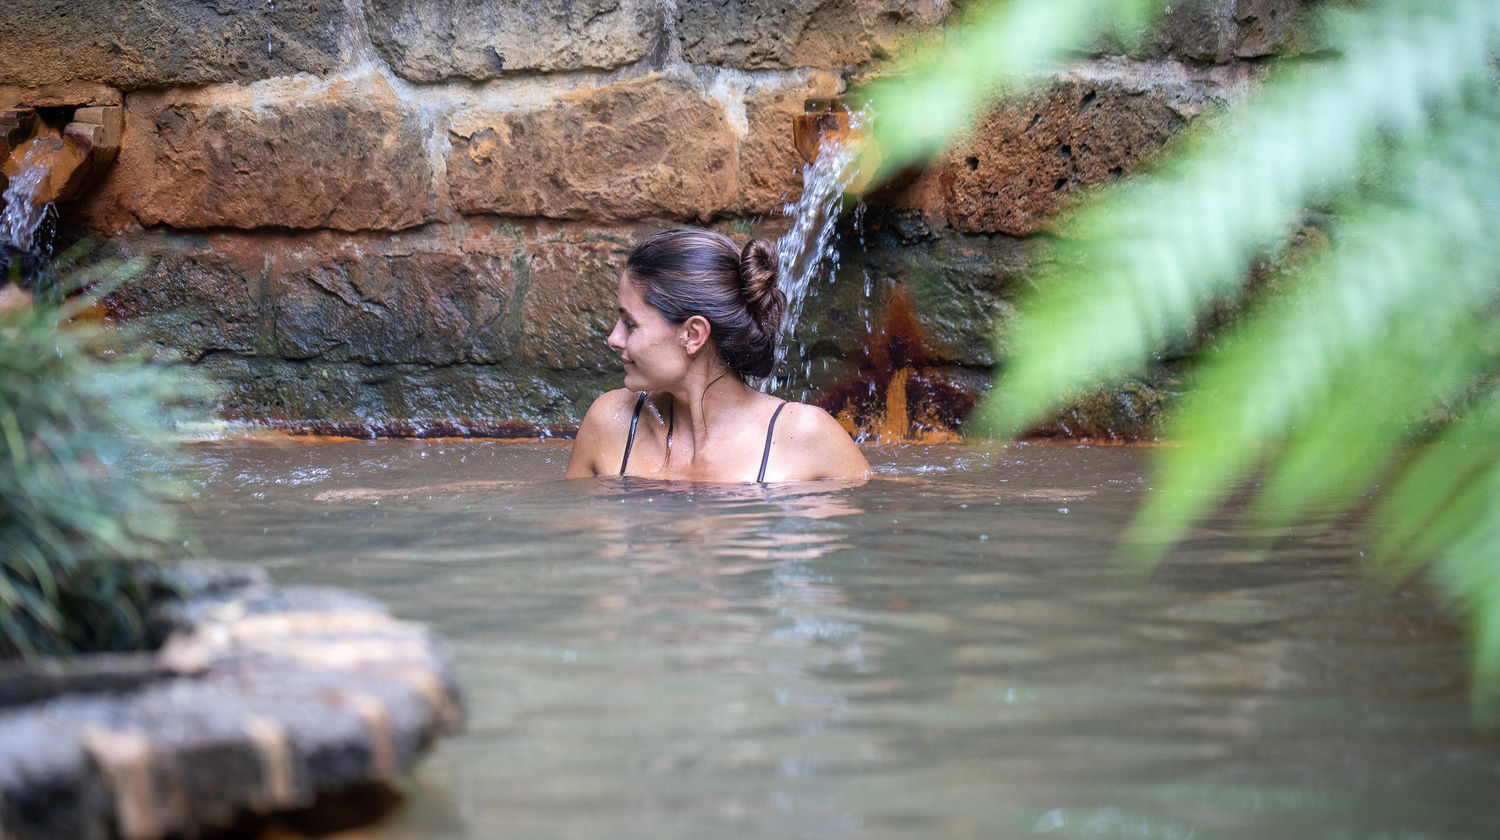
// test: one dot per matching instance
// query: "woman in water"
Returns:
(698, 316)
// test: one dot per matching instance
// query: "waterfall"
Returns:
(23, 214)
(803, 249)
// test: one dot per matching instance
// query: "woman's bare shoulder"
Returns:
(611, 406)
(598, 442)
(811, 444)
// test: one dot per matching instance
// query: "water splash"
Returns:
(23, 214)
(804, 249)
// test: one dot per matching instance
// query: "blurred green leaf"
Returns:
(1370, 370)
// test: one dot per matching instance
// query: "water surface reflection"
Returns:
(943, 651)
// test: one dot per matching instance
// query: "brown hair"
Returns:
(688, 271)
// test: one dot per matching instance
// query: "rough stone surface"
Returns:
(654, 146)
(349, 158)
(61, 94)
(770, 168)
(1219, 31)
(422, 307)
(194, 296)
(568, 293)
(500, 326)
(1025, 158)
(134, 44)
(434, 40)
(905, 341)
(259, 700)
(760, 34)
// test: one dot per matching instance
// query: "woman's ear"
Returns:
(695, 334)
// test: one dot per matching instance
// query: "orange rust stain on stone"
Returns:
(895, 394)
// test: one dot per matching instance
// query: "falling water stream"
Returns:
(23, 215)
(810, 243)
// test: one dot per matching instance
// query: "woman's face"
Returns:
(649, 344)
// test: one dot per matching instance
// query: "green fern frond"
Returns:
(1142, 263)
(1325, 388)
(1338, 371)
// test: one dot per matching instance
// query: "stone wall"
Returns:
(409, 214)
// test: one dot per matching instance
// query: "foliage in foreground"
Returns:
(1369, 380)
(77, 531)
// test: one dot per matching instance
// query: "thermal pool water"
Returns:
(945, 651)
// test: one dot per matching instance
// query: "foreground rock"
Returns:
(259, 700)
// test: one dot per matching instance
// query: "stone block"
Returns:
(959, 288)
(195, 296)
(770, 167)
(135, 44)
(1024, 160)
(372, 305)
(349, 158)
(1219, 31)
(59, 95)
(435, 40)
(765, 34)
(648, 147)
(568, 293)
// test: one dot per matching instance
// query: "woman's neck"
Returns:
(703, 405)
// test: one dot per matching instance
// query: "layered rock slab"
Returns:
(348, 158)
(136, 44)
(1220, 31)
(437, 40)
(493, 324)
(773, 34)
(649, 147)
(1021, 165)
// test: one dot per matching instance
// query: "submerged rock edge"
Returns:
(260, 699)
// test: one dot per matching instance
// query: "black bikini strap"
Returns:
(630, 441)
(766, 456)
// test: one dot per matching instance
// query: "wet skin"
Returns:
(718, 423)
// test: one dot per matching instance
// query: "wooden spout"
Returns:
(824, 119)
(76, 155)
(829, 120)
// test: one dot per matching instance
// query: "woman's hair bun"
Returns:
(759, 284)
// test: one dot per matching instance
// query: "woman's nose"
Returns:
(617, 338)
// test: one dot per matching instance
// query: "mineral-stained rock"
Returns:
(60, 94)
(1024, 159)
(960, 288)
(755, 34)
(348, 159)
(496, 326)
(134, 44)
(433, 40)
(770, 168)
(654, 146)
